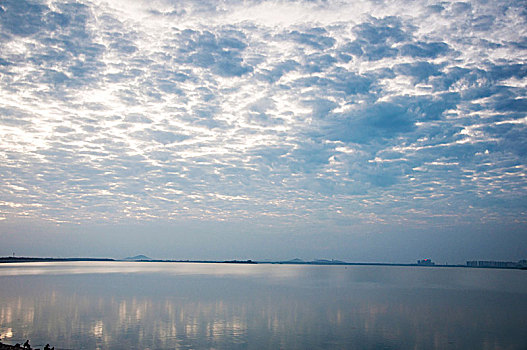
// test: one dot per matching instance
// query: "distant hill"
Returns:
(325, 261)
(138, 257)
(313, 262)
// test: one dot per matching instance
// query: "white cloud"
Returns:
(362, 111)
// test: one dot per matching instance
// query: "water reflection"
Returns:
(203, 306)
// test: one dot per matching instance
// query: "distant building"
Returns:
(497, 264)
(425, 262)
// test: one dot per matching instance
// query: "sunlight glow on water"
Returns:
(123, 305)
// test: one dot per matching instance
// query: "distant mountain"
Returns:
(138, 257)
(325, 261)
(313, 262)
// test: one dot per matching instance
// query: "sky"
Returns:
(355, 130)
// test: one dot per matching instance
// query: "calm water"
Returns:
(121, 305)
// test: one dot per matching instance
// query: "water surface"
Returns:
(126, 305)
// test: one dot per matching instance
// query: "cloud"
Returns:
(315, 38)
(354, 113)
(424, 49)
(375, 38)
(373, 122)
(420, 71)
(22, 17)
(220, 53)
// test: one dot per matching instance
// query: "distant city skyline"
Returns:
(359, 131)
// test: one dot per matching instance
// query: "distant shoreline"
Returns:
(31, 259)
(7, 260)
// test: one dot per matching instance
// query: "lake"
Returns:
(142, 305)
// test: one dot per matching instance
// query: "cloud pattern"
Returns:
(327, 112)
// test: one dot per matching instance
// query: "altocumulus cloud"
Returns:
(334, 113)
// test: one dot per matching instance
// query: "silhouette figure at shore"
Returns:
(26, 345)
